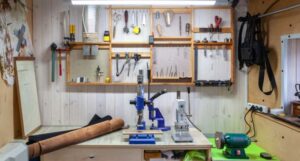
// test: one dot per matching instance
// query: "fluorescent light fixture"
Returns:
(146, 2)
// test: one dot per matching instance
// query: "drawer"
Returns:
(94, 154)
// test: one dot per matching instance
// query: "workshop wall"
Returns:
(9, 108)
(277, 25)
(213, 108)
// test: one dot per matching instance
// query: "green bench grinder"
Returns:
(235, 144)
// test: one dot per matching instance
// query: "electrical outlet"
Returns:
(265, 109)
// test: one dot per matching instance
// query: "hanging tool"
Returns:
(297, 87)
(136, 29)
(157, 15)
(106, 36)
(169, 15)
(53, 50)
(144, 18)
(128, 60)
(133, 19)
(126, 29)
(99, 73)
(180, 32)
(66, 20)
(123, 66)
(218, 21)
(59, 62)
(159, 30)
(136, 58)
(211, 31)
(116, 18)
(175, 73)
(188, 28)
(205, 41)
(72, 33)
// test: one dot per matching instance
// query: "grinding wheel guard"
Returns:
(74, 137)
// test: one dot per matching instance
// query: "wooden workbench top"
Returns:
(118, 140)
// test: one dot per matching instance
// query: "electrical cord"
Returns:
(253, 109)
(252, 120)
(186, 115)
(245, 119)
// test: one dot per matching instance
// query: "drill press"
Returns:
(154, 113)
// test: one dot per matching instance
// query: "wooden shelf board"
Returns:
(122, 55)
(172, 38)
(223, 30)
(89, 43)
(130, 44)
(173, 43)
(213, 43)
(126, 84)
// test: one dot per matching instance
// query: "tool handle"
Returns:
(53, 50)
(60, 66)
(126, 16)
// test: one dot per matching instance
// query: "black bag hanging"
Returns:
(252, 51)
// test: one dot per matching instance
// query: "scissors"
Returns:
(116, 18)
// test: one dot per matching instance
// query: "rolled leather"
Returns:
(74, 137)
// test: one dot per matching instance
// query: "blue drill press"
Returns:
(154, 113)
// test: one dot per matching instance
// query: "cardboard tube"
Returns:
(74, 137)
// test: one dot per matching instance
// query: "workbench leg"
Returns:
(208, 155)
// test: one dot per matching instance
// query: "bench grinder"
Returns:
(235, 144)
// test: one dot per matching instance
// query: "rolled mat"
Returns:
(74, 137)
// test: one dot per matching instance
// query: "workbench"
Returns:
(115, 147)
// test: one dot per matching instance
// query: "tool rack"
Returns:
(163, 41)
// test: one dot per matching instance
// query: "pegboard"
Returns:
(167, 61)
(174, 29)
(133, 14)
(85, 66)
(213, 64)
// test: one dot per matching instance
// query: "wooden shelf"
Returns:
(207, 30)
(78, 45)
(73, 84)
(89, 43)
(167, 43)
(172, 39)
(213, 43)
(122, 55)
(130, 44)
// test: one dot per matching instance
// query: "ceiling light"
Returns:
(146, 2)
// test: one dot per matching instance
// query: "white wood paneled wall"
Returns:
(213, 108)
